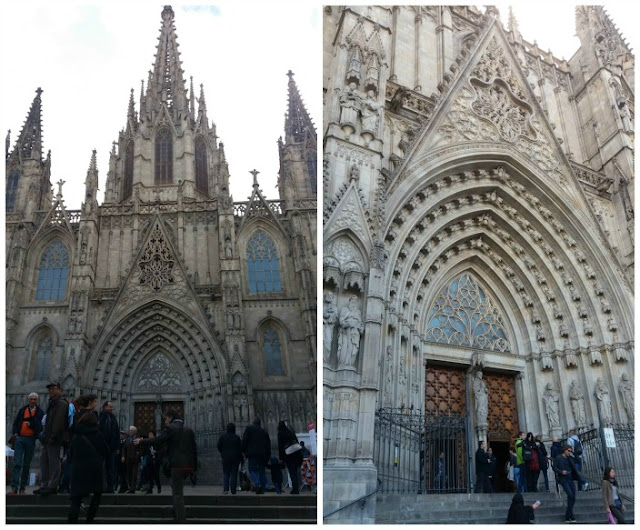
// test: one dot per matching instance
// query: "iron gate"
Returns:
(407, 447)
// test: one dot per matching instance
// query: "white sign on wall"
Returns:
(609, 437)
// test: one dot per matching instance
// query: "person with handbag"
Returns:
(290, 452)
(530, 457)
(26, 428)
(611, 495)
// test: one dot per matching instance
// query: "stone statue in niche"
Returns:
(370, 116)
(604, 402)
(481, 393)
(228, 248)
(237, 407)
(551, 399)
(244, 407)
(626, 392)
(576, 396)
(350, 330)
(329, 318)
(350, 105)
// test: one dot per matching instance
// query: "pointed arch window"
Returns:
(12, 188)
(201, 165)
(312, 168)
(53, 273)
(164, 157)
(263, 264)
(127, 188)
(44, 351)
(272, 352)
(463, 315)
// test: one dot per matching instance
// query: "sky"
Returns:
(86, 58)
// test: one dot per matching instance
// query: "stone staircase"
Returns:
(477, 508)
(243, 508)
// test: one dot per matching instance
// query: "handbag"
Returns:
(527, 454)
(293, 448)
(612, 519)
(12, 441)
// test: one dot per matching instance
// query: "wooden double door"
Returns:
(148, 415)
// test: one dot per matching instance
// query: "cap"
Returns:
(54, 383)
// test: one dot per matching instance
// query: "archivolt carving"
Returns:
(159, 375)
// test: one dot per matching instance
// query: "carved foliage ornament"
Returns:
(159, 375)
(156, 263)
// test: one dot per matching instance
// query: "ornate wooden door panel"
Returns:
(147, 417)
(445, 391)
(503, 411)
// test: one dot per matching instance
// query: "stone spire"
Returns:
(192, 101)
(297, 123)
(91, 186)
(202, 106)
(131, 111)
(29, 143)
(166, 82)
(513, 25)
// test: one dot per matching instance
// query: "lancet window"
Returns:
(263, 264)
(201, 165)
(43, 358)
(128, 171)
(463, 315)
(53, 274)
(272, 352)
(164, 157)
(12, 188)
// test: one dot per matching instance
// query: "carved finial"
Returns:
(131, 110)
(255, 172)
(513, 24)
(290, 74)
(60, 183)
(7, 143)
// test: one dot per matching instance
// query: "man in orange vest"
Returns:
(26, 428)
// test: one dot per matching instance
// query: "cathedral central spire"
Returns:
(166, 81)
(297, 122)
(29, 143)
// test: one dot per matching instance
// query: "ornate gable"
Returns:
(350, 214)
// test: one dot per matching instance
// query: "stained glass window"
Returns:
(272, 354)
(43, 359)
(312, 170)
(464, 315)
(12, 188)
(164, 157)
(54, 270)
(201, 165)
(262, 263)
(128, 171)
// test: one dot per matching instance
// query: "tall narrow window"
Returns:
(262, 263)
(128, 171)
(54, 269)
(272, 353)
(201, 165)
(312, 165)
(12, 188)
(43, 359)
(164, 157)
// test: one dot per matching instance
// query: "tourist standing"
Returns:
(27, 426)
(520, 471)
(88, 451)
(290, 452)
(543, 461)
(120, 462)
(566, 473)
(556, 450)
(152, 464)
(54, 437)
(256, 446)
(482, 470)
(611, 496)
(108, 425)
(131, 458)
(182, 454)
(492, 469)
(530, 454)
(577, 458)
(230, 447)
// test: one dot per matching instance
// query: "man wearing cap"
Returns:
(55, 436)
(26, 429)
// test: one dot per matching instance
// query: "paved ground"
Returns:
(190, 490)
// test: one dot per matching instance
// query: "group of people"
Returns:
(255, 446)
(82, 451)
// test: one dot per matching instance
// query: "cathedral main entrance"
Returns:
(148, 414)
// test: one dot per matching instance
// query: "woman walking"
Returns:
(290, 454)
(88, 452)
(611, 496)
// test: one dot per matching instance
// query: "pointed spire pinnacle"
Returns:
(166, 82)
(59, 194)
(202, 104)
(192, 101)
(7, 143)
(131, 110)
(297, 123)
(513, 24)
(93, 166)
(29, 143)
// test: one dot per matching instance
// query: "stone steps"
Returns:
(157, 509)
(486, 508)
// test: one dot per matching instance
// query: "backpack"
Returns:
(577, 447)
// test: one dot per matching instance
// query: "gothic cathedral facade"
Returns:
(478, 234)
(167, 293)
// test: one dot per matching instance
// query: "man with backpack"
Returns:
(55, 436)
(576, 458)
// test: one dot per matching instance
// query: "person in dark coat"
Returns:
(543, 461)
(556, 450)
(230, 447)
(152, 463)
(566, 473)
(533, 466)
(121, 467)
(276, 473)
(519, 513)
(492, 469)
(131, 458)
(108, 425)
(182, 454)
(27, 426)
(482, 470)
(293, 460)
(256, 446)
(88, 451)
